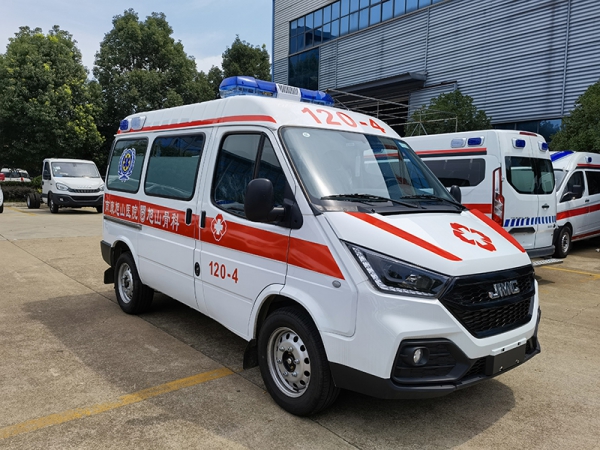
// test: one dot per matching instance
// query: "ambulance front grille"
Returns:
(469, 300)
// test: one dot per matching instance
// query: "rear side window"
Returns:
(530, 175)
(593, 180)
(458, 172)
(243, 157)
(173, 166)
(126, 163)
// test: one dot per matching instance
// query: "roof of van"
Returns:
(269, 112)
(71, 160)
(569, 159)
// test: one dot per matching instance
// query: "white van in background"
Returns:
(505, 174)
(578, 194)
(72, 183)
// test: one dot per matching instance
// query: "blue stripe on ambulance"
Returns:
(526, 221)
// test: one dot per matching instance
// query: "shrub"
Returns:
(36, 183)
(16, 192)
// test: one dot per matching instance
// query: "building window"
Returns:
(304, 70)
(546, 127)
(346, 16)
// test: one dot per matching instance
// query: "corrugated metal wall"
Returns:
(509, 55)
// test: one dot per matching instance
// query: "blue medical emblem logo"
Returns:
(126, 164)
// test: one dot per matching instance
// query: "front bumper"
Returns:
(453, 371)
(77, 201)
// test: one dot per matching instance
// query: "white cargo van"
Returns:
(578, 195)
(317, 235)
(72, 183)
(505, 174)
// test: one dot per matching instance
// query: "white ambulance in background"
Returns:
(505, 174)
(578, 195)
(317, 235)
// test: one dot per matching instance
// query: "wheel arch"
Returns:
(269, 303)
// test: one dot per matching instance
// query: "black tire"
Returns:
(33, 201)
(38, 199)
(52, 206)
(293, 363)
(1, 208)
(133, 296)
(30, 199)
(563, 243)
(99, 208)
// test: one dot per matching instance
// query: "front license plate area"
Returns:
(504, 361)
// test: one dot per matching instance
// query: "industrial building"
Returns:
(524, 62)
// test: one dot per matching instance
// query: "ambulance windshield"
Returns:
(351, 167)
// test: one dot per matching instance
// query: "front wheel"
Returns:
(99, 208)
(293, 363)
(133, 296)
(51, 204)
(563, 243)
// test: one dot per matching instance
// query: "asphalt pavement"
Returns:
(76, 372)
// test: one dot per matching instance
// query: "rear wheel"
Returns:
(33, 201)
(51, 205)
(133, 296)
(563, 243)
(1, 208)
(293, 363)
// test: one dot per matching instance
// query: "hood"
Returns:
(80, 183)
(452, 244)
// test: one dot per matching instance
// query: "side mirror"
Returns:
(456, 193)
(258, 204)
(46, 175)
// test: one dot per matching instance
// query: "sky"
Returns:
(204, 27)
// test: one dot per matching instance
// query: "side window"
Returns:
(593, 180)
(459, 172)
(126, 162)
(46, 171)
(173, 166)
(575, 180)
(243, 157)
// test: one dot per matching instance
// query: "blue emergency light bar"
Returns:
(559, 155)
(242, 85)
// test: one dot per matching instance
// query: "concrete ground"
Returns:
(76, 372)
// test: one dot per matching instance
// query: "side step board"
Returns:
(546, 262)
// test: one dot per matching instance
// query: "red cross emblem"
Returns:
(472, 237)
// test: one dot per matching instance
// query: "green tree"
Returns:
(140, 67)
(447, 113)
(243, 58)
(45, 102)
(580, 130)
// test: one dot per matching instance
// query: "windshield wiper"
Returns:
(364, 198)
(432, 197)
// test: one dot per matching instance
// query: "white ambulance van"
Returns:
(578, 195)
(317, 235)
(504, 174)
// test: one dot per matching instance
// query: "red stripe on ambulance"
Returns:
(481, 216)
(404, 235)
(304, 254)
(200, 123)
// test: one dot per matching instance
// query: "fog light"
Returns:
(415, 356)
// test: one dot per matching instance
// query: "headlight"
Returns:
(398, 277)
(62, 187)
(101, 188)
